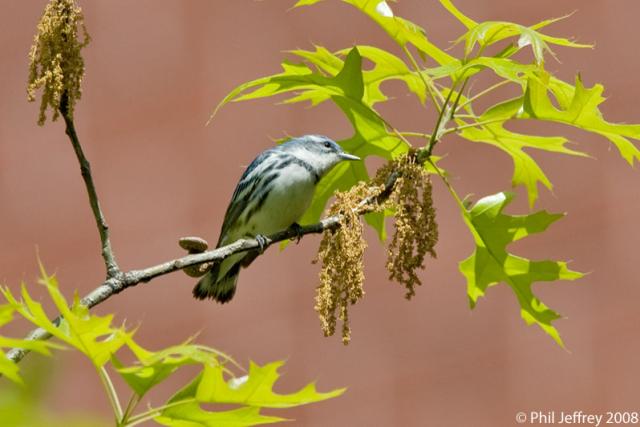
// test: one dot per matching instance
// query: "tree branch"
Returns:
(120, 282)
(85, 168)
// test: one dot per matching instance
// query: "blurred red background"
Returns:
(156, 68)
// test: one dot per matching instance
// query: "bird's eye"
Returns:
(327, 144)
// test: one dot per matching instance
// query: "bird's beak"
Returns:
(347, 156)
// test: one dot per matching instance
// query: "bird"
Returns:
(273, 193)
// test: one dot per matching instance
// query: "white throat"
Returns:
(321, 163)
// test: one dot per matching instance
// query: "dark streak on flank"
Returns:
(285, 163)
(258, 205)
(261, 196)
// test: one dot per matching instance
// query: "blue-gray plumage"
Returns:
(272, 195)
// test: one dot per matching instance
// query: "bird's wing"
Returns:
(249, 182)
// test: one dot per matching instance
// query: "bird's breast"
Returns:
(289, 197)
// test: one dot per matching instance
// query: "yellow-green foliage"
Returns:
(219, 378)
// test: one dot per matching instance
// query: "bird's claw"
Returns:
(262, 242)
(297, 229)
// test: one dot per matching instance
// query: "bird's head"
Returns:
(321, 152)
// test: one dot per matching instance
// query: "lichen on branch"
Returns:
(55, 63)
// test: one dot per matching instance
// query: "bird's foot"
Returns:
(297, 228)
(263, 242)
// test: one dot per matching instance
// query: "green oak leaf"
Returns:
(491, 263)
(90, 334)
(255, 389)
(298, 78)
(9, 368)
(251, 392)
(324, 60)
(505, 68)
(183, 410)
(402, 31)
(577, 106)
(154, 367)
(581, 111)
(386, 67)
(526, 171)
(464, 19)
(490, 32)
(190, 414)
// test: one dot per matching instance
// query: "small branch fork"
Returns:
(121, 281)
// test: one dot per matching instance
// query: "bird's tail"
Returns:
(220, 289)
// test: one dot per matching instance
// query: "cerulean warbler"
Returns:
(272, 195)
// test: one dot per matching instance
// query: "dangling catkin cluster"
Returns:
(56, 65)
(416, 230)
(341, 254)
(341, 250)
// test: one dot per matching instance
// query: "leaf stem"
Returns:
(435, 136)
(471, 125)
(457, 101)
(131, 406)
(154, 412)
(418, 134)
(445, 115)
(480, 94)
(111, 392)
(447, 184)
(466, 116)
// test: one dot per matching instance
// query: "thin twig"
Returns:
(85, 168)
(446, 115)
(457, 101)
(122, 281)
(443, 119)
